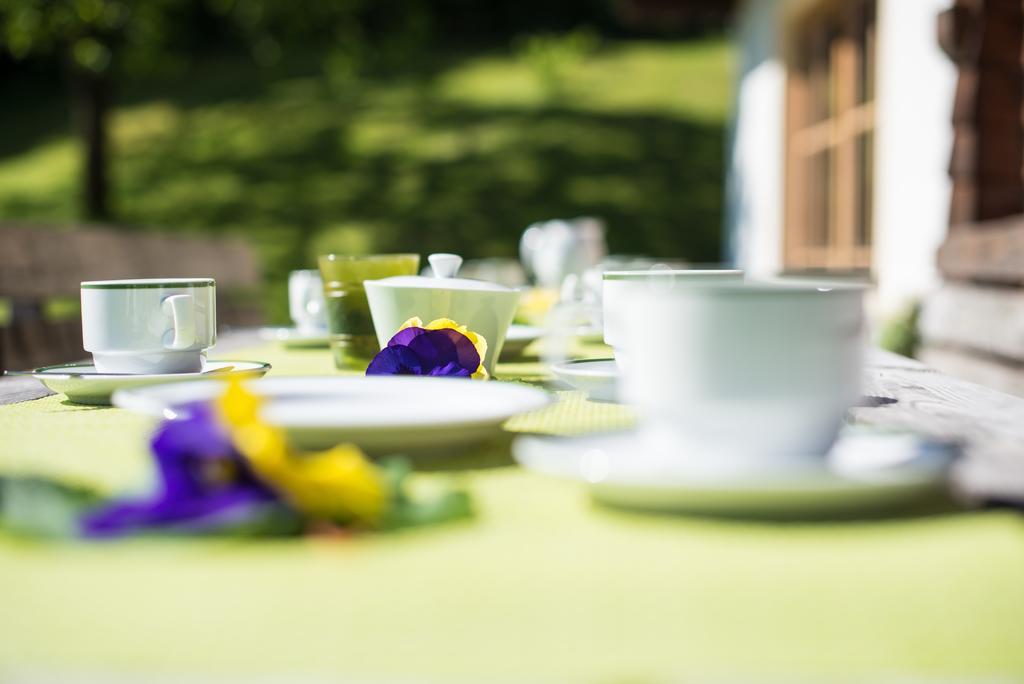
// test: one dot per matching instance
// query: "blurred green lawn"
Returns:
(458, 153)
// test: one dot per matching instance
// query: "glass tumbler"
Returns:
(353, 340)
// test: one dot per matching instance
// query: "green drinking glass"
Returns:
(353, 340)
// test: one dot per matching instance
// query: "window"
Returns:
(830, 138)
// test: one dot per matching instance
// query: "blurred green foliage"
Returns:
(61, 308)
(551, 56)
(900, 334)
(154, 36)
(452, 150)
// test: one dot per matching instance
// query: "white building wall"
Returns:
(913, 138)
(913, 141)
(754, 161)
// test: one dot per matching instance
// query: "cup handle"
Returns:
(181, 308)
(309, 301)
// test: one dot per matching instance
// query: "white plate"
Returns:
(295, 338)
(382, 414)
(518, 338)
(865, 471)
(82, 384)
(599, 378)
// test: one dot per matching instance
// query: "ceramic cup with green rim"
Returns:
(353, 341)
(158, 325)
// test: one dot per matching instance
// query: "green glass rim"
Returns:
(145, 284)
(368, 257)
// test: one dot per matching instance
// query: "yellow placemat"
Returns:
(540, 586)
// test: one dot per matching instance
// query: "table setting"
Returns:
(308, 311)
(712, 478)
(143, 332)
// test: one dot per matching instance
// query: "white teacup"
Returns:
(306, 301)
(621, 288)
(553, 250)
(160, 325)
(737, 377)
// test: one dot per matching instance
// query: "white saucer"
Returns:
(599, 378)
(295, 338)
(382, 414)
(866, 470)
(518, 338)
(82, 384)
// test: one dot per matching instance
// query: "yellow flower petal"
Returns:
(337, 484)
(238, 406)
(478, 340)
(413, 322)
(441, 323)
(263, 446)
(340, 483)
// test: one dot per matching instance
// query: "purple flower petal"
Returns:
(451, 370)
(405, 336)
(437, 348)
(434, 349)
(197, 432)
(417, 351)
(469, 357)
(198, 435)
(197, 514)
(395, 360)
(202, 481)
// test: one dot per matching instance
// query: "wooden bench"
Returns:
(44, 265)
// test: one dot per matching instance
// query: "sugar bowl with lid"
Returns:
(485, 308)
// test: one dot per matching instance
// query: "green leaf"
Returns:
(409, 511)
(446, 507)
(91, 55)
(43, 508)
(271, 520)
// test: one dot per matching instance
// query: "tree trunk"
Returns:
(90, 101)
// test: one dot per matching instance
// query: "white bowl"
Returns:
(485, 308)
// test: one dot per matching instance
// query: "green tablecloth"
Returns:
(541, 585)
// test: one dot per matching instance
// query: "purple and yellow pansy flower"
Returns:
(203, 483)
(220, 467)
(338, 484)
(440, 348)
